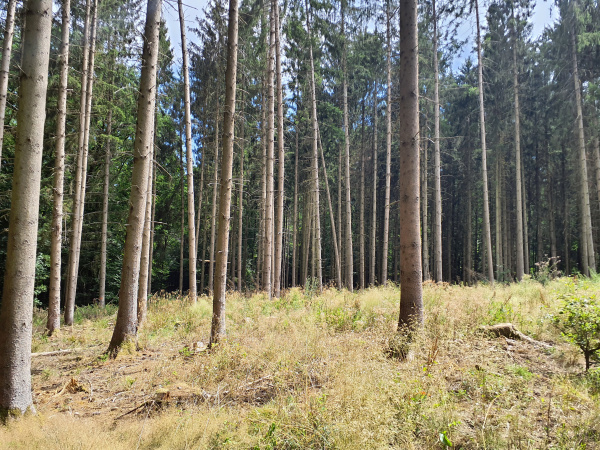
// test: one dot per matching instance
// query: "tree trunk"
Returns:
(424, 203)
(486, 205)
(104, 233)
(525, 228)
(182, 217)
(469, 218)
(153, 205)
(388, 151)
(281, 156)
(374, 198)
(16, 310)
(192, 293)
(218, 319)
(411, 297)
(240, 236)
(295, 231)
(362, 202)
(519, 212)
(126, 323)
(314, 160)
(349, 270)
(213, 227)
(589, 257)
(80, 176)
(9, 31)
(437, 218)
(142, 297)
(53, 323)
(499, 196)
(269, 209)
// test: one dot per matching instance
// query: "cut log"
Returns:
(509, 331)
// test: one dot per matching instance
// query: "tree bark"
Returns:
(424, 202)
(486, 205)
(519, 253)
(80, 175)
(16, 310)
(192, 293)
(437, 225)
(388, 151)
(217, 331)
(126, 323)
(9, 31)
(213, 228)
(362, 202)
(241, 272)
(104, 232)
(314, 159)
(53, 322)
(374, 198)
(499, 267)
(349, 256)
(295, 231)
(411, 297)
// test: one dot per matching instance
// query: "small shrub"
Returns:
(547, 270)
(579, 321)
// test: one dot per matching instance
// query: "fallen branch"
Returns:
(508, 330)
(57, 352)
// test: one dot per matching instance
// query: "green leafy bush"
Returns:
(579, 321)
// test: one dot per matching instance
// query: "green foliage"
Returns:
(579, 321)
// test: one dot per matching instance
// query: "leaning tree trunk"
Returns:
(53, 323)
(73, 266)
(16, 310)
(388, 151)
(218, 319)
(437, 218)
(9, 31)
(126, 324)
(349, 258)
(486, 204)
(281, 154)
(314, 159)
(192, 293)
(411, 297)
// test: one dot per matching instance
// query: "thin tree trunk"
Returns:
(126, 323)
(142, 297)
(437, 218)
(213, 228)
(104, 233)
(16, 310)
(349, 270)
(589, 257)
(218, 319)
(525, 228)
(295, 231)
(241, 203)
(519, 253)
(80, 176)
(499, 196)
(153, 205)
(486, 205)
(199, 210)
(315, 156)
(182, 217)
(374, 198)
(53, 323)
(9, 31)
(425, 202)
(336, 253)
(411, 298)
(388, 151)
(469, 218)
(192, 293)
(362, 202)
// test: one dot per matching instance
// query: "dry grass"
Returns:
(311, 371)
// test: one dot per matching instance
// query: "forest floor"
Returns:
(314, 371)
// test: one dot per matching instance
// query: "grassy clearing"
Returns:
(311, 371)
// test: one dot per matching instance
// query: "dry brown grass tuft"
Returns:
(311, 371)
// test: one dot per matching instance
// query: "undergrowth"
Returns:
(313, 370)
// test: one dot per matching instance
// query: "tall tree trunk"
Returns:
(16, 310)
(519, 253)
(589, 257)
(424, 202)
(182, 217)
(80, 176)
(281, 165)
(213, 227)
(525, 228)
(269, 204)
(486, 205)
(241, 272)
(104, 233)
(411, 297)
(126, 324)
(314, 159)
(9, 31)
(388, 150)
(374, 199)
(336, 253)
(437, 218)
(499, 196)
(192, 293)
(362, 201)
(469, 218)
(153, 215)
(295, 231)
(218, 319)
(53, 323)
(199, 210)
(349, 270)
